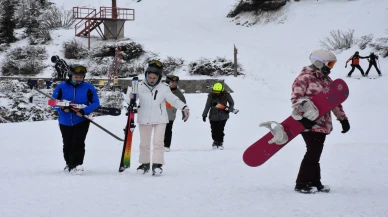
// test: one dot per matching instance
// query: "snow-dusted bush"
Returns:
(339, 40)
(171, 64)
(129, 50)
(256, 6)
(57, 17)
(364, 41)
(213, 67)
(381, 45)
(16, 107)
(111, 99)
(24, 61)
(100, 66)
(41, 35)
(74, 50)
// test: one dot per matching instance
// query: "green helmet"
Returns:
(218, 87)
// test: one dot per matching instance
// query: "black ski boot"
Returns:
(144, 168)
(322, 188)
(305, 189)
(215, 144)
(157, 169)
(220, 146)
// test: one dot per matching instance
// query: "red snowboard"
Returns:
(330, 97)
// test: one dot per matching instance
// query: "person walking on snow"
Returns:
(372, 62)
(74, 127)
(218, 117)
(355, 63)
(152, 116)
(172, 80)
(60, 66)
(310, 82)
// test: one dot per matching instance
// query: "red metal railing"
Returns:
(121, 13)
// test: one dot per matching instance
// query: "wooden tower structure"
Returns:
(113, 19)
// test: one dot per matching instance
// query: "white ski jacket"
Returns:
(152, 103)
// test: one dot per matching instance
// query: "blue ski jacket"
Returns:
(83, 93)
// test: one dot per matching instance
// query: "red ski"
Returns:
(262, 150)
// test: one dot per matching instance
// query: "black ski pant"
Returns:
(358, 67)
(74, 143)
(370, 66)
(168, 134)
(310, 170)
(218, 130)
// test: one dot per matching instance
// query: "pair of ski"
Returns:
(65, 103)
(125, 160)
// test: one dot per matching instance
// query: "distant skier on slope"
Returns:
(74, 127)
(312, 80)
(372, 62)
(152, 116)
(355, 63)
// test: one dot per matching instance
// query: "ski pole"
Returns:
(85, 116)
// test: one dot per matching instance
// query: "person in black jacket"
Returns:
(372, 62)
(218, 116)
(61, 66)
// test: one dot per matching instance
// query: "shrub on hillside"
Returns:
(74, 50)
(364, 41)
(381, 45)
(213, 67)
(24, 61)
(256, 6)
(338, 40)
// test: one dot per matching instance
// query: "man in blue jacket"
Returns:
(74, 127)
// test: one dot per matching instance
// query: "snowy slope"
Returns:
(199, 181)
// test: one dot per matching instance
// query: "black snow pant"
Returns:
(310, 170)
(358, 67)
(168, 134)
(370, 66)
(74, 143)
(218, 130)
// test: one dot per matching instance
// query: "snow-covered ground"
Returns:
(199, 181)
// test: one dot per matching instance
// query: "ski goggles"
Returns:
(155, 63)
(175, 78)
(79, 70)
(329, 64)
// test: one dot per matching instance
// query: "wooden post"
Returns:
(235, 61)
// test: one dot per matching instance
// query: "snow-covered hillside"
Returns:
(199, 181)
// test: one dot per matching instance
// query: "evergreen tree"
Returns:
(7, 21)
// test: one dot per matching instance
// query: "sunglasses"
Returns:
(329, 64)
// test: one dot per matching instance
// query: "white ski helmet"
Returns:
(321, 58)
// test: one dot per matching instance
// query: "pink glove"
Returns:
(131, 95)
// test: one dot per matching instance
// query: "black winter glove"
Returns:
(82, 112)
(66, 109)
(345, 126)
(204, 118)
(307, 123)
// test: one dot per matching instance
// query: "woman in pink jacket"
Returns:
(312, 80)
